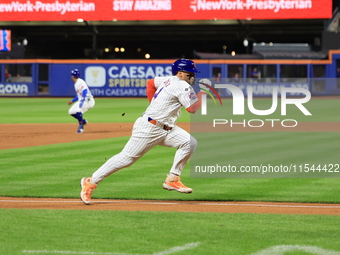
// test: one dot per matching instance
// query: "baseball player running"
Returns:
(157, 126)
(83, 100)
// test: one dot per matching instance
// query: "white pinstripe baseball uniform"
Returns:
(157, 126)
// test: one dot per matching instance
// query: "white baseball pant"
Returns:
(145, 136)
(88, 104)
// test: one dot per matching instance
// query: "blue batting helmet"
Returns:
(75, 73)
(185, 65)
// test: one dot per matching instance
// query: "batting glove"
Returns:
(202, 83)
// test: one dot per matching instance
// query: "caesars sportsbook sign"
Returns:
(116, 10)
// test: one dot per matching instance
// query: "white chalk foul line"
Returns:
(165, 252)
(282, 249)
(176, 203)
(274, 250)
(178, 248)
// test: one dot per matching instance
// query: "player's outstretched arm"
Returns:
(203, 85)
(73, 100)
(197, 105)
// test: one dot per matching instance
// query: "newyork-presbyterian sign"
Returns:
(115, 10)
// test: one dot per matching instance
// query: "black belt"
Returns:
(152, 121)
(167, 128)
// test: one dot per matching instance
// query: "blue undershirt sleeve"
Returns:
(75, 99)
(83, 98)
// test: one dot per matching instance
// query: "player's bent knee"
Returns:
(189, 146)
(193, 143)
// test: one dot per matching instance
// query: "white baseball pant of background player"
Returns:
(88, 104)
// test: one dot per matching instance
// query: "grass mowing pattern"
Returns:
(99, 232)
(322, 110)
(38, 171)
(291, 149)
(55, 110)
(55, 171)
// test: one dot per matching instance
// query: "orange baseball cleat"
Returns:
(87, 187)
(174, 183)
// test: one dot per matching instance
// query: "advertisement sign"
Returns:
(16, 89)
(116, 10)
(112, 79)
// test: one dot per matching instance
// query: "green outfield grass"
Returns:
(55, 171)
(298, 154)
(123, 233)
(40, 171)
(55, 110)
(322, 110)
